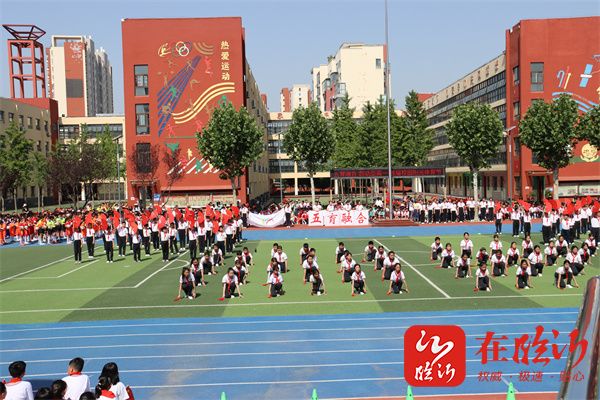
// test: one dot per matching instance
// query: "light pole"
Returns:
(118, 173)
(509, 161)
(387, 103)
(280, 175)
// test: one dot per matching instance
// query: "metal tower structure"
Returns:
(26, 61)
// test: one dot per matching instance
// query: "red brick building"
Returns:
(175, 72)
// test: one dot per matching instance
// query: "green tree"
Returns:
(372, 136)
(417, 137)
(309, 141)
(231, 142)
(589, 127)
(15, 162)
(475, 133)
(107, 150)
(550, 131)
(345, 132)
(64, 170)
(39, 174)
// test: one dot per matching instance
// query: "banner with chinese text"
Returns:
(338, 218)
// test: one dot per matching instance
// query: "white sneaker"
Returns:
(540, 275)
(487, 289)
(190, 297)
(318, 293)
(526, 287)
(362, 293)
(570, 287)
(400, 292)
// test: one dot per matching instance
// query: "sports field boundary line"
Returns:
(345, 328)
(436, 287)
(34, 269)
(87, 264)
(160, 269)
(282, 303)
(258, 322)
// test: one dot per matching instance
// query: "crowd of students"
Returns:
(74, 386)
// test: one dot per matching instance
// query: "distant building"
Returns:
(298, 96)
(357, 70)
(79, 77)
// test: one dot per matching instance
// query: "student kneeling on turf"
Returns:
(447, 257)
(574, 259)
(230, 285)
(436, 248)
(564, 277)
(482, 257)
(358, 281)
(347, 267)
(512, 255)
(536, 260)
(397, 280)
(498, 264)
(523, 274)
(318, 284)
(310, 266)
(275, 283)
(239, 269)
(187, 284)
(483, 282)
(463, 267)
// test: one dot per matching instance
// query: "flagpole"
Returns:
(387, 103)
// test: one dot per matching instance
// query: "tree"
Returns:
(475, 132)
(64, 170)
(145, 160)
(372, 136)
(345, 133)
(39, 174)
(172, 161)
(418, 138)
(15, 162)
(309, 141)
(549, 130)
(589, 127)
(231, 142)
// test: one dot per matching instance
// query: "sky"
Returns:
(432, 42)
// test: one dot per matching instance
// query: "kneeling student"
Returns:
(498, 264)
(482, 257)
(463, 267)
(230, 285)
(436, 249)
(563, 277)
(550, 253)
(310, 266)
(275, 283)
(536, 260)
(483, 282)
(575, 261)
(239, 269)
(512, 255)
(447, 257)
(397, 281)
(187, 284)
(347, 267)
(318, 285)
(523, 274)
(358, 281)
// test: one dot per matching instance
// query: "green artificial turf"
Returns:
(51, 287)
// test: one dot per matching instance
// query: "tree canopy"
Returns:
(15, 160)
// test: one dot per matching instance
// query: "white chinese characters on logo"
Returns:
(424, 372)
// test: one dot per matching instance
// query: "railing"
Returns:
(588, 324)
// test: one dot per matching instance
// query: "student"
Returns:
(562, 246)
(146, 234)
(515, 217)
(282, 260)
(523, 273)
(164, 243)
(482, 256)
(102, 389)
(122, 239)
(155, 234)
(310, 266)
(358, 281)
(495, 244)
(575, 261)
(90, 240)
(58, 389)
(546, 228)
(217, 256)
(317, 282)
(463, 267)
(527, 246)
(482, 276)
(397, 281)
(221, 240)
(447, 257)
(347, 267)
(274, 249)
(340, 251)
(198, 271)
(77, 383)
(565, 228)
(202, 241)
(136, 241)
(550, 253)
(2, 385)
(239, 268)
(379, 259)
(206, 264)
(388, 266)
(498, 222)
(512, 255)
(187, 284)
(109, 238)
(304, 253)
(275, 283)
(192, 237)
(230, 285)
(536, 260)
(591, 243)
(564, 277)
(584, 252)
(526, 223)
(182, 227)
(77, 237)
(498, 264)
(436, 248)
(247, 257)
(111, 371)
(370, 252)
(16, 387)
(173, 239)
(466, 245)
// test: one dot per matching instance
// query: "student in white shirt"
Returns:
(58, 389)
(275, 283)
(370, 252)
(340, 251)
(102, 389)
(358, 281)
(230, 285)
(111, 370)
(146, 235)
(109, 238)
(388, 266)
(239, 268)
(536, 260)
(282, 260)
(512, 255)
(564, 277)
(498, 262)
(16, 387)
(221, 240)
(495, 244)
(447, 256)
(379, 259)
(463, 267)
(562, 246)
(192, 236)
(546, 228)
(317, 282)
(591, 243)
(483, 282)
(136, 242)
(527, 246)
(575, 260)
(397, 281)
(466, 245)
(77, 237)
(523, 273)
(122, 239)
(310, 266)
(164, 243)
(187, 284)
(550, 253)
(347, 267)
(90, 240)
(77, 383)
(436, 248)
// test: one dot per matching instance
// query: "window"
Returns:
(142, 119)
(11, 117)
(39, 145)
(378, 63)
(517, 109)
(21, 121)
(516, 75)
(1, 116)
(537, 77)
(47, 145)
(29, 122)
(143, 158)
(37, 124)
(141, 80)
(46, 126)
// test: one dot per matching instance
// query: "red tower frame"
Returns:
(26, 61)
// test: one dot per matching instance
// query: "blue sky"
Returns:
(432, 42)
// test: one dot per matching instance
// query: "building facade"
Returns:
(175, 72)
(357, 70)
(79, 77)
(542, 59)
(70, 128)
(298, 96)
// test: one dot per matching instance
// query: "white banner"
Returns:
(338, 218)
(267, 220)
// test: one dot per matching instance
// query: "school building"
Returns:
(175, 72)
(542, 59)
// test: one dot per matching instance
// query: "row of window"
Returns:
(31, 122)
(536, 77)
(93, 130)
